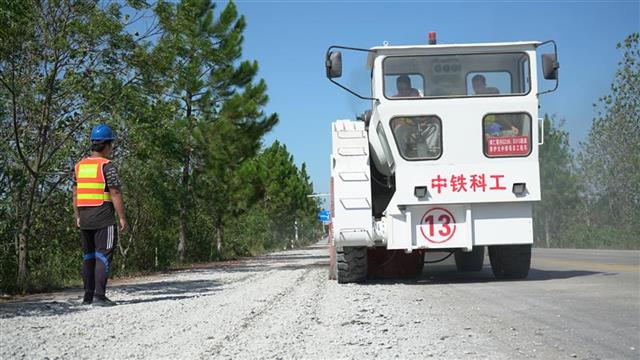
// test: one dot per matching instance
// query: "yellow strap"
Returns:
(88, 171)
(105, 197)
(90, 185)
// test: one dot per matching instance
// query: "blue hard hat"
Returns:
(494, 128)
(101, 133)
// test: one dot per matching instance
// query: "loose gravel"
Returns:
(282, 306)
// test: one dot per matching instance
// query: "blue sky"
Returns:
(289, 40)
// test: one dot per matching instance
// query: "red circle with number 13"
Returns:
(441, 225)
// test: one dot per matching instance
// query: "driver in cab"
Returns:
(403, 84)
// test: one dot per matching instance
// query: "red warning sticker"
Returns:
(438, 225)
(508, 145)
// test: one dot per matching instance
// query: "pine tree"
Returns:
(201, 75)
(286, 189)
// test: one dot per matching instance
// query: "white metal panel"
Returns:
(499, 178)
(448, 228)
(352, 151)
(355, 203)
(352, 221)
(357, 134)
(468, 225)
(399, 231)
(353, 176)
(462, 143)
(502, 224)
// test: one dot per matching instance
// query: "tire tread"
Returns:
(352, 264)
(510, 261)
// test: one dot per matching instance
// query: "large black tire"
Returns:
(352, 264)
(510, 261)
(470, 261)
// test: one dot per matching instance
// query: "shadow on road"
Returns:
(155, 299)
(315, 265)
(537, 274)
(449, 275)
(286, 257)
(70, 301)
(174, 287)
(41, 308)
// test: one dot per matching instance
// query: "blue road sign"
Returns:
(324, 216)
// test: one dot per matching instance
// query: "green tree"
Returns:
(560, 186)
(610, 156)
(228, 182)
(279, 207)
(62, 65)
(197, 60)
(189, 120)
(285, 191)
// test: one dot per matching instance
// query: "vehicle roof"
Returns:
(441, 49)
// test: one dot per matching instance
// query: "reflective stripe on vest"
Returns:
(106, 197)
(91, 184)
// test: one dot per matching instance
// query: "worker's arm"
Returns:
(75, 206)
(118, 204)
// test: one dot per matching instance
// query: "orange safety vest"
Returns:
(92, 187)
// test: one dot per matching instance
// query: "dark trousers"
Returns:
(97, 246)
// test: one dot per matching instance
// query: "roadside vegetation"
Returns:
(188, 115)
(591, 196)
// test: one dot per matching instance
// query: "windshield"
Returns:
(427, 76)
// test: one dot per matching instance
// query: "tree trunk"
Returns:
(23, 274)
(23, 238)
(219, 238)
(182, 239)
(547, 232)
(184, 201)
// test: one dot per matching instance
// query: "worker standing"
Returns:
(96, 199)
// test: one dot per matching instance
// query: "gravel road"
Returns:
(575, 305)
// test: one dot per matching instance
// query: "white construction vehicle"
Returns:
(445, 160)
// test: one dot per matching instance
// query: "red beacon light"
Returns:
(432, 38)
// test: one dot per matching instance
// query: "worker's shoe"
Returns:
(88, 299)
(101, 300)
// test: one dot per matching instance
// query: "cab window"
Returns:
(406, 85)
(418, 137)
(506, 135)
(503, 74)
(489, 83)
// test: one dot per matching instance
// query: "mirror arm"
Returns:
(550, 90)
(555, 51)
(345, 48)
(555, 47)
(353, 92)
(342, 86)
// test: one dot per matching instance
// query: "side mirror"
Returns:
(550, 66)
(333, 64)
